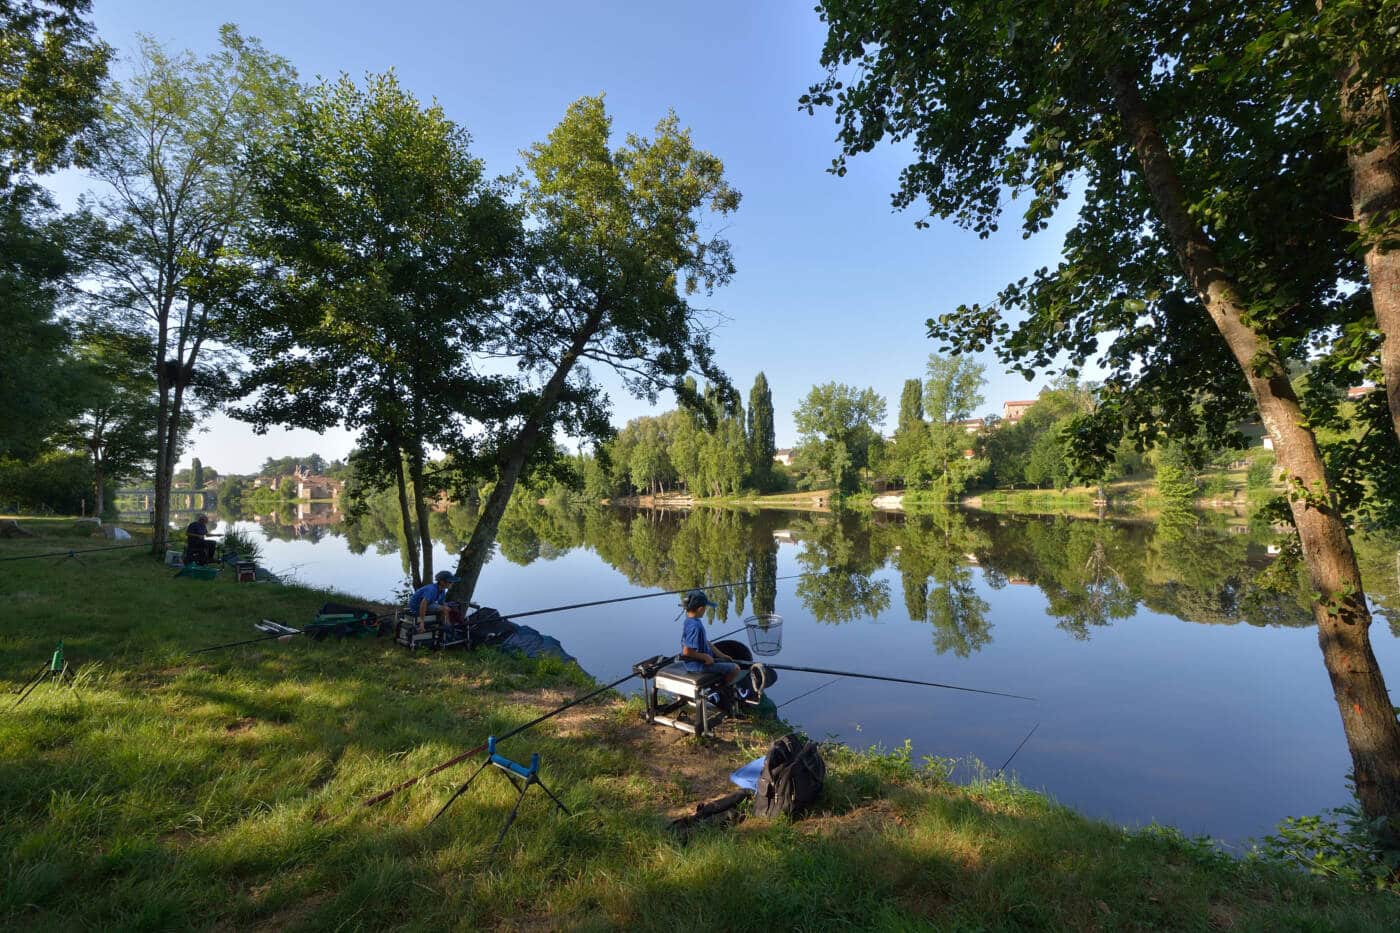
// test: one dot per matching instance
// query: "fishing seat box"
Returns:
(688, 711)
(435, 636)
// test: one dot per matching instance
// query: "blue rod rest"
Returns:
(515, 767)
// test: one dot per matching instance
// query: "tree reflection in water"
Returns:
(1092, 572)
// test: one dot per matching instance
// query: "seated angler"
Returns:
(696, 651)
(199, 544)
(431, 599)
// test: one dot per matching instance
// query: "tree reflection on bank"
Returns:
(1092, 572)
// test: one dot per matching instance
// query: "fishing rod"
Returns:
(625, 599)
(29, 685)
(1018, 749)
(74, 554)
(808, 693)
(275, 630)
(249, 641)
(290, 632)
(893, 680)
(379, 798)
(57, 667)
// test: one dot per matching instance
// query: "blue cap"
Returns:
(444, 576)
(696, 599)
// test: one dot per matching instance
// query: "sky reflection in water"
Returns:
(1223, 724)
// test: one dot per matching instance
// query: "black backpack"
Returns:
(487, 627)
(792, 777)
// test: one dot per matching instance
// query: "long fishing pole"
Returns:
(280, 635)
(1018, 749)
(29, 686)
(378, 798)
(249, 641)
(624, 599)
(42, 671)
(808, 693)
(893, 680)
(467, 754)
(72, 553)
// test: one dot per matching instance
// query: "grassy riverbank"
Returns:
(166, 791)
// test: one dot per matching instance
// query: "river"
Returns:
(1170, 684)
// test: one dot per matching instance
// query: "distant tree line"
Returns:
(717, 448)
(939, 450)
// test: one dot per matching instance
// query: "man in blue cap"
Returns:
(432, 598)
(696, 651)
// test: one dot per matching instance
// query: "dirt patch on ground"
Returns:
(685, 770)
(865, 820)
(294, 914)
(240, 726)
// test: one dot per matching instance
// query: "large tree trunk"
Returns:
(410, 539)
(1375, 199)
(160, 518)
(420, 507)
(512, 462)
(170, 447)
(1343, 621)
(98, 480)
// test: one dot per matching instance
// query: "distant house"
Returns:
(1255, 434)
(972, 425)
(308, 485)
(1356, 392)
(1012, 412)
(783, 455)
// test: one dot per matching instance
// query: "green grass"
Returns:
(164, 791)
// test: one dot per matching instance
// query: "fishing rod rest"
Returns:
(529, 774)
(511, 769)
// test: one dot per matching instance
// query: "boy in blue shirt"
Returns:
(432, 598)
(696, 651)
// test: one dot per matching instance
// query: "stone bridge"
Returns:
(185, 500)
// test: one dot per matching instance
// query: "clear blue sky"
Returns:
(831, 284)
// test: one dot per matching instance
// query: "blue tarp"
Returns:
(534, 645)
(747, 776)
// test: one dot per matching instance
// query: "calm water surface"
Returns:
(1170, 686)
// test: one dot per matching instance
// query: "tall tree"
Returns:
(838, 426)
(952, 391)
(171, 150)
(114, 421)
(911, 405)
(952, 388)
(1201, 249)
(51, 69)
(617, 252)
(381, 255)
(1340, 59)
(762, 436)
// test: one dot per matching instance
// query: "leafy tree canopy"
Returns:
(838, 426)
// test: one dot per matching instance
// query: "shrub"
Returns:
(53, 483)
(243, 544)
(1261, 472)
(1340, 844)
